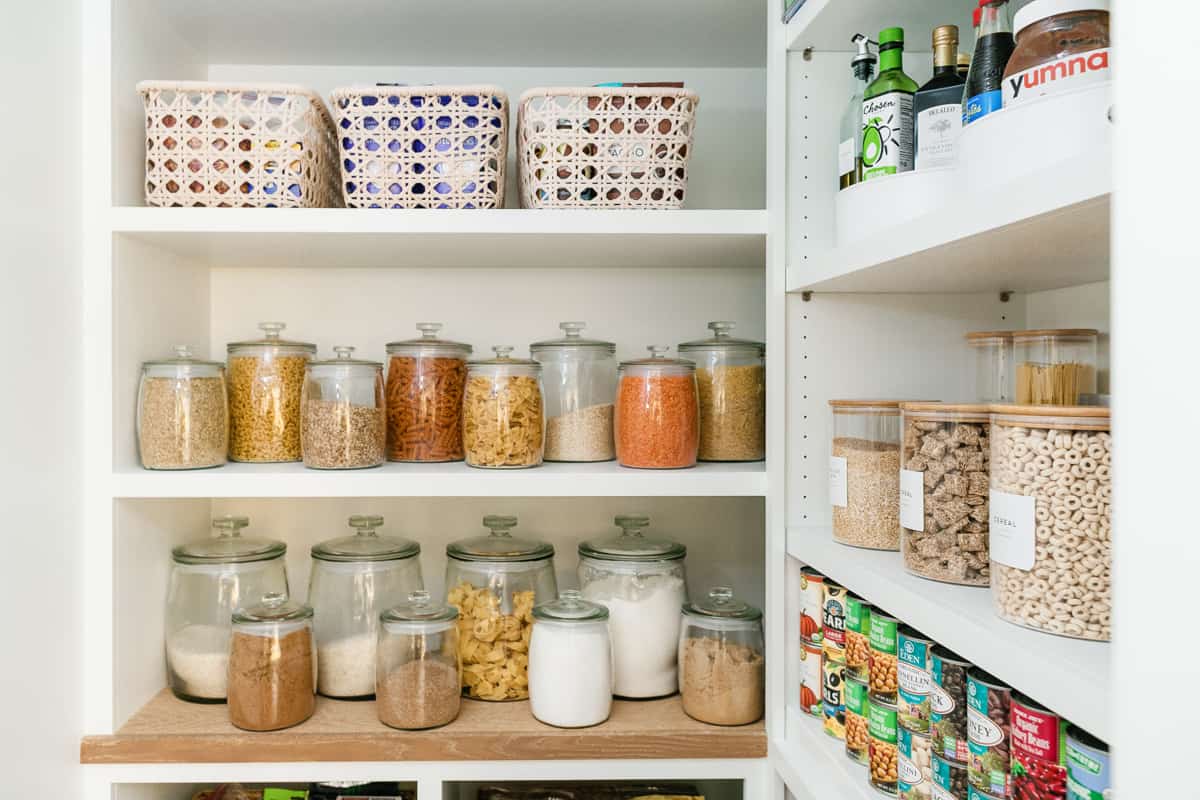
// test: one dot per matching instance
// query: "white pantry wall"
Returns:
(40, 460)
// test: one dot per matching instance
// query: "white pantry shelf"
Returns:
(815, 766)
(1070, 676)
(502, 238)
(828, 24)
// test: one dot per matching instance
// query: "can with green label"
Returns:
(858, 631)
(914, 679)
(883, 757)
(857, 736)
(1088, 769)
(882, 638)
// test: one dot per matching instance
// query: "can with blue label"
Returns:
(1089, 773)
(914, 679)
(949, 779)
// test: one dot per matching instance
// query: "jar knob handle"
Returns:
(429, 330)
(572, 329)
(419, 598)
(721, 329)
(344, 351)
(571, 598)
(720, 595)
(274, 599)
(658, 350)
(499, 524)
(183, 351)
(503, 350)
(229, 525)
(632, 524)
(272, 329)
(366, 524)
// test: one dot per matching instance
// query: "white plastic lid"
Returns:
(1038, 10)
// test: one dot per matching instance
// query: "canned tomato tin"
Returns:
(1038, 751)
(949, 779)
(883, 753)
(989, 708)
(913, 679)
(858, 742)
(858, 631)
(832, 702)
(812, 600)
(810, 679)
(882, 638)
(833, 622)
(948, 704)
(914, 774)
(1089, 774)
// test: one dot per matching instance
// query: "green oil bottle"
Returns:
(887, 118)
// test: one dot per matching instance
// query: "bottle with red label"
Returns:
(993, 47)
(1061, 45)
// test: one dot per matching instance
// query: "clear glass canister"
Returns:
(266, 381)
(1054, 570)
(580, 378)
(182, 413)
(503, 412)
(353, 579)
(425, 381)
(272, 665)
(721, 660)
(1054, 367)
(657, 418)
(944, 491)
(418, 666)
(992, 354)
(570, 662)
(341, 426)
(495, 581)
(864, 470)
(731, 376)
(642, 582)
(210, 578)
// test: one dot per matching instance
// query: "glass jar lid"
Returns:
(631, 544)
(504, 364)
(986, 338)
(720, 603)
(658, 363)
(1061, 334)
(500, 544)
(272, 341)
(342, 364)
(275, 607)
(228, 546)
(183, 365)
(572, 339)
(570, 607)
(428, 344)
(366, 544)
(420, 607)
(721, 340)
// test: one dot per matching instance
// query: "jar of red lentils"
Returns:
(657, 418)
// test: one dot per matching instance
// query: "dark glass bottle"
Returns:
(992, 50)
(937, 107)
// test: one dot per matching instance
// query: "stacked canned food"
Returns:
(812, 602)
(833, 660)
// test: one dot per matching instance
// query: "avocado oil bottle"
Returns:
(887, 112)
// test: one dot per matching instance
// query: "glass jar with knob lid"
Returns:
(494, 581)
(353, 579)
(721, 660)
(210, 578)
(342, 425)
(182, 413)
(266, 380)
(642, 582)
(570, 662)
(272, 665)
(425, 382)
(657, 418)
(418, 666)
(503, 412)
(580, 380)
(731, 379)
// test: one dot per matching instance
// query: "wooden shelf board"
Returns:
(169, 730)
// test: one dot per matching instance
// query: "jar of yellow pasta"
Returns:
(494, 582)
(503, 418)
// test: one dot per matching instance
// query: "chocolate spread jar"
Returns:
(1061, 45)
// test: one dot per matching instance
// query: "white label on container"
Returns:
(912, 500)
(942, 794)
(1068, 72)
(937, 131)
(837, 481)
(846, 157)
(1011, 529)
(887, 147)
(908, 772)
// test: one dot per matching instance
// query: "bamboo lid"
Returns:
(1061, 333)
(1072, 417)
(982, 409)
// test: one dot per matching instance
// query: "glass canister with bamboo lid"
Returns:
(1054, 367)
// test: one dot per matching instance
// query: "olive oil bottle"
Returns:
(850, 141)
(887, 112)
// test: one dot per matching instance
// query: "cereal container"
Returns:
(580, 378)
(914, 679)
(882, 638)
(884, 750)
(272, 665)
(266, 381)
(989, 704)
(731, 376)
(418, 666)
(426, 378)
(494, 581)
(1055, 366)
(857, 735)
(503, 420)
(833, 622)
(914, 766)
(1089, 772)
(948, 704)
(864, 462)
(1051, 519)
(858, 632)
(182, 413)
(341, 423)
(832, 701)
(810, 679)
(657, 419)
(722, 664)
(992, 353)
(1039, 753)
(944, 492)
(949, 779)
(812, 601)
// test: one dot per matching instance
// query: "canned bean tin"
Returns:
(989, 708)
(858, 742)
(812, 600)
(833, 622)
(1089, 775)
(1038, 751)
(858, 631)
(882, 638)
(913, 679)
(832, 702)
(948, 705)
(914, 770)
(949, 779)
(810, 679)
(883, 751)
(976, 794)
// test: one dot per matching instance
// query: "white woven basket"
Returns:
(217, 144)
(605, 147)
(422, 146)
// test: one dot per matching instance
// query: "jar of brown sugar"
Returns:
(272, 665)
(721, 660)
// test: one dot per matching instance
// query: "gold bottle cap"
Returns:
(945, 35)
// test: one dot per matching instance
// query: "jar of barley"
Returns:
(266, 379)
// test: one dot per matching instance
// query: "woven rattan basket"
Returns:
(216, 144)
(605, 147)
(422, 146)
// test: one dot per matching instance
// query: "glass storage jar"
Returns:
(425, 381)
(1051, 489)
(494, 581)
(341, 426)
(731, 377)
(944, 491)
(503, 420)
(209, 579)
(570, 662)
(1055, 366)
(864, 473)
(642, 582)
(721, 659)
(992, 354)
(272, 665)
(657, 418)
(182, 413)
(266, 380)
(418, 666)
(580, 379)
(353, 579)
